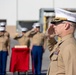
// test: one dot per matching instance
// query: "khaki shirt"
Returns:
(23, 39)
(63, 57)
(37, 38)
(5, 42)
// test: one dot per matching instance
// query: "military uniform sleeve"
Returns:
(30, 33)
(16, 36)
(50, 43)
(30, 44)
(28, 41)
(45, 42)
(8, 47)
(7, 35)
(69, 61)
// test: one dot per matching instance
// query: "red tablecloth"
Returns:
(19, 60)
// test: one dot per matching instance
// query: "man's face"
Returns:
(38, 29)
(23, 32)
(58, 27)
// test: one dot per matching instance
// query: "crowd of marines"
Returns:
(62, 53)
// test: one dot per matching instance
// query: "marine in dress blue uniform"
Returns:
(37, 48)
(4, 49)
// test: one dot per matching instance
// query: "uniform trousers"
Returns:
(37, 52)
(3, 60)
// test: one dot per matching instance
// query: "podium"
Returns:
(19, 60)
